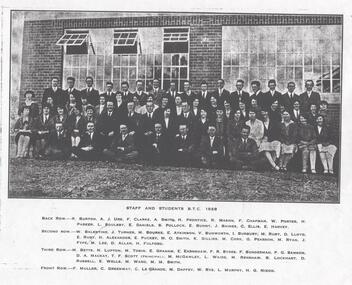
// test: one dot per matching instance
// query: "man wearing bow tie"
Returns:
(91, 94)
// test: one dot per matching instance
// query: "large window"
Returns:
(284, 53)
(130, 54)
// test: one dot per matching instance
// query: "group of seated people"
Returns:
(216, 129)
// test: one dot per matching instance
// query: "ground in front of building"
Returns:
(29, 178)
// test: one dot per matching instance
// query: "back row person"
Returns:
(264, 99)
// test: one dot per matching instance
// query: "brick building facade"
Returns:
(42, 58)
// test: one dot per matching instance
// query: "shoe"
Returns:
(331, 172)
(313, 171)
(275, 168)
(304, 170)
(326, 171)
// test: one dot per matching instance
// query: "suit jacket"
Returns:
(97, 110)
(161, 142)
(306, 102)
(216, 150)
(79, 125)
(293, 116)
(289, 133)
(324, 137)
(58, 96)
(107, 124)
(142, 97)
(39, 124)
(128, 143)
(56, 119)
(197, 116)
(92, 96)
(63, 142)
(235, 99)
(189, 121)
(126, 96)
(188, 97)
(171, 96)
(268, 99)
(171, 129)
(225, 95)
(238, 150)
(111, 97)
(186, 145)
(259, 97)
(76, 93)
(96, 142)
(287, 101)
(157, 95)
(231, 115)
(244, 117)
(311, 119)
(134, 122)
(275, 115)
(147, 124)
(204, 102)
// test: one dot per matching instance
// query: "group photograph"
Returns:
(175, 106)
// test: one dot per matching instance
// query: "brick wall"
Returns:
(41, 58)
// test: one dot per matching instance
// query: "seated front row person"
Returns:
(122, 148)
(211, 149)
(90, 145)
(243, 151)
(183, 147)
(157, 146)
(59, 144)
(23, 133)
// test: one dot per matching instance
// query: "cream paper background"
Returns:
(329, 226)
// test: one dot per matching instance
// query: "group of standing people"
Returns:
(219, 128)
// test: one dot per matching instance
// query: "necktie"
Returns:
(149, 115)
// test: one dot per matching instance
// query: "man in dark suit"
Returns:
(141, 95)
(309, 96)
(56, 93)
(243, 152)
(296, 111)
(156, 91)
(126, 94)
(184, 148)
(187, 94)
(211, 149)
(102, 105)
(257, 93)
(122, 148)
(239, 96)
(91, 144)
(91, 94)
(243, 111)
(107, 123)
(271, 96)
(59, 145)
(169, 123)
(289, 97)
(148, 119)
(187, 117)
(70, 90)
(109, 94)
(221, 93)
(204, 95)
(159, 112)
(172, 93)
(157, 145)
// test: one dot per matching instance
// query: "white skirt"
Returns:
(288, 148)
(270, 146)
(330, 149)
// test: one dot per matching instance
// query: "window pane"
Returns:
(326, 72)
(336, 72)
(116, 73)
(280, 59)
(150, 72)
(91, 72)
(235, 59)
(100, 60)
(244, 59)
(183, 72)
(262, 73)
(326, 59)
(326, 86)
(175, 73)
(157, 72)
(336, 86)
(262, 59)
(280, 73)
(235, 72)
(227, 58)
(175, 60)
(227, 74)
(271, 59)
(116, 60)
(184, 59)
(243, 46)
(83, 60)
(158, 59)
(317, 59)
(290, 58)
(317, 70)
(167, 59)
(308, 59)
(298, 73)
(289, 73)
(336, 58)
(150, 59)
(253, 46)
(107, 73)
(167, 73)
(132, 73)
(271, 72)
(253, 59)
(253, 73)
(244, 74)
(133, 60)
(124, 73)
(298, 59)
(281, 46)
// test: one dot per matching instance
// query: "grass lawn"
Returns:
(29, 178)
